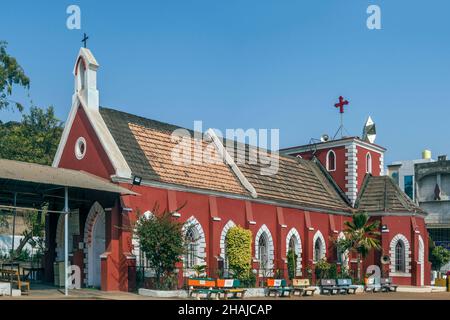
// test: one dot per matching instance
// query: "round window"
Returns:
(80, 148)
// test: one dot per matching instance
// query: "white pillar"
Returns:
(66, 240)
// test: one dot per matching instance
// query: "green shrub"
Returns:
(239, 252)
(322, 269)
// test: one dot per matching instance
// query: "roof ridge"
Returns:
(224, 139)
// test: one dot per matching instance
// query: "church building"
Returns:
(303, 206)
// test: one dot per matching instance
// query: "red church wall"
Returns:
(338, 174)
(362, 164)
(95, 160)
(404, 225)
(198, 205)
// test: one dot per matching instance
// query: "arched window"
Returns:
(400, 265)
(191, 247)
(368, 163)
(331, 161)
(263, 254)
(81, 75)
(318, 250)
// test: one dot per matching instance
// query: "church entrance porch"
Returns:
(78, 230)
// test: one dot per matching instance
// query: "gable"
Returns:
(95, 159)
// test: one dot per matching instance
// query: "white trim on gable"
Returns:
(106, 139)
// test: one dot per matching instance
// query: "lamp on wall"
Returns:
(137, 180)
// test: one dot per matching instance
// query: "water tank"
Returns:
(426, 154)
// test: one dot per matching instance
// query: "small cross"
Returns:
(85, 39)
(341, 104)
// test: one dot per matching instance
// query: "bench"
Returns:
(387, 285)
(303, 287)
(278, 288)
(13, 276)
(230, 287)
(346, 286)
(373, 285)
(328, 286)
(199, 286)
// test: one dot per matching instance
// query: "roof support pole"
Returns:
(66, 241)
(11, 254)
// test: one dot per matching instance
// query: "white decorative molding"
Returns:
(328, 160)
(400, 237)
(80, 148)
(351, 177)
(230, 162)
(94, 213)
(271, 255)
(293, 233)
(421, 261)
(200, 258)
(368, 163)
(318, 236)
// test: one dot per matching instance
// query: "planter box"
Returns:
(180, 294)
(440, 282)
(163, 293)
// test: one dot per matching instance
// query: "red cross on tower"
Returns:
(342, 102)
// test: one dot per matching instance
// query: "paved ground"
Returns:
(50, 293)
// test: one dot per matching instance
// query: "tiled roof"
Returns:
(147, 147)
(297, 180)
(382, 194)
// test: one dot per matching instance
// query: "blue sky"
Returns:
(250, 64)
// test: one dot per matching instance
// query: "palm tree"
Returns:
(362, 236)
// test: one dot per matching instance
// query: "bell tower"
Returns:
(85, 73)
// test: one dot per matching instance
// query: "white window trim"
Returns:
(298, 249)
(78, 154)
(328, 160)
(323, 252)
(392, 254)
(270, 244)
(201, 245)
(369, 164)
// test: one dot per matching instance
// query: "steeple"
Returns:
(85, 72)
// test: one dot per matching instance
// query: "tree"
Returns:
(161, 239)
(11, 74)
(35, 139)
(439, 256)
(35, 222)
(361, 236)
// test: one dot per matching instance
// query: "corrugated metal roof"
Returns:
(36, 173)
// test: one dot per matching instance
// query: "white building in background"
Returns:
(427, 182)
(403, 173)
